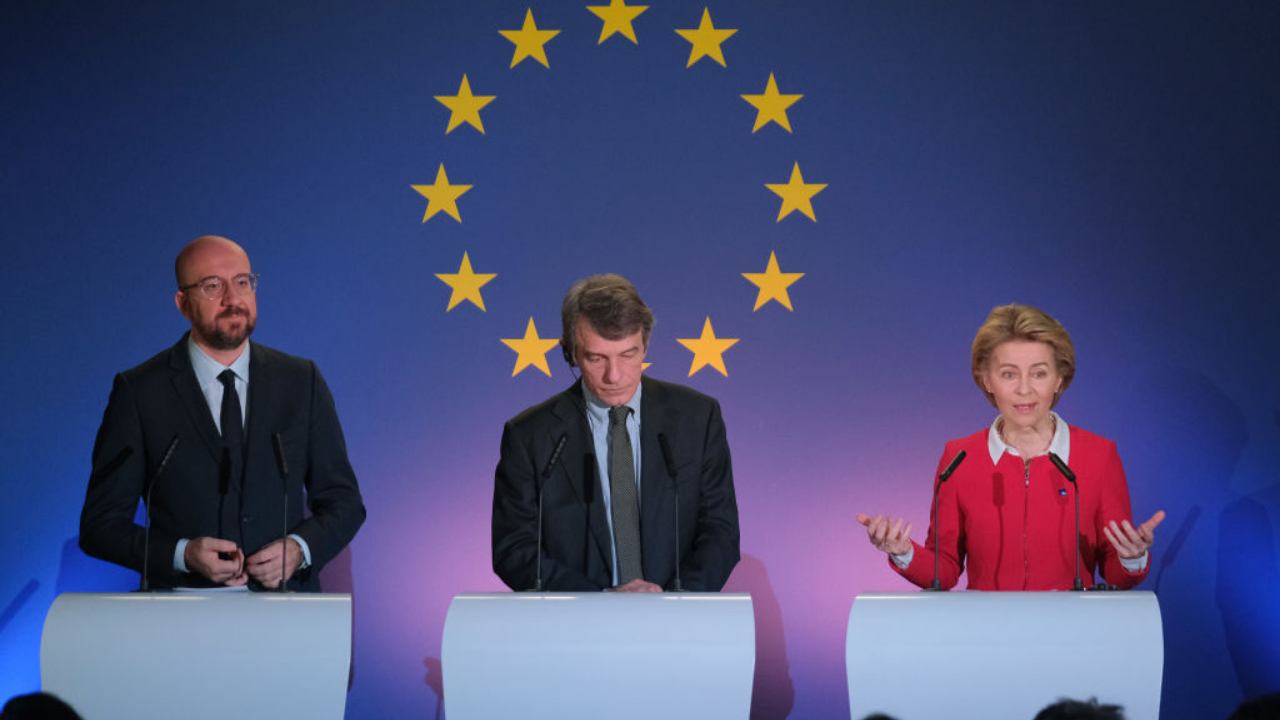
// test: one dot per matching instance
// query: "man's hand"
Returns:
(264, 565)
(638, 585)
(201, 556)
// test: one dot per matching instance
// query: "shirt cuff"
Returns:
(306, 550)
(903, 560)
(180, 555)
(1135, 565)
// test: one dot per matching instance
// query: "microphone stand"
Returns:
(936, 585)
(146, 535)
(283, 466)
(669, 459)
(1078, 584)
(541, 485)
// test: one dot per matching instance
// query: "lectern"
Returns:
(596, 655)
(1002, 654)
(199, 655)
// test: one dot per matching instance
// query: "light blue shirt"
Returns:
(207, 371)
(598, 420)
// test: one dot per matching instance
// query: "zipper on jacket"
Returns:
(1026, 508)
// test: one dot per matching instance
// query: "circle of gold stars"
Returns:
(618, 19)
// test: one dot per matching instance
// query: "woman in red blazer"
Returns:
(1007, 513)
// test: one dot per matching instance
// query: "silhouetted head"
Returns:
(1080, 710)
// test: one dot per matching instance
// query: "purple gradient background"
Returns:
(1114, 165)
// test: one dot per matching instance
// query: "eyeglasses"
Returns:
(214, 287)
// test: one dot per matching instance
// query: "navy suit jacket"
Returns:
(159, 399)
(576, 550)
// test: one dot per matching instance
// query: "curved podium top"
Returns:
(593, 655)
(1002, 654)
(156, 655)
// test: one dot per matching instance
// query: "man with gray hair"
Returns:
(634, 473)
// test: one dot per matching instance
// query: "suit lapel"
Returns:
(578, 466)
(188, 391)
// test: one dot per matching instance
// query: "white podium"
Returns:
(199, 655)
(1003, 654)
(596, 655)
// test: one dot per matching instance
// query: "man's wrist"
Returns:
(180, 555)
(305, 561)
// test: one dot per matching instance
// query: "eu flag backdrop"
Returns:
(820, 200)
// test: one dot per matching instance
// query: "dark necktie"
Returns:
(623, 496)
(230, 420)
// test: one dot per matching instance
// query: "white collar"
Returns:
(1060, 445)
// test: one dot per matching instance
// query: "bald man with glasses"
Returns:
(245, 424)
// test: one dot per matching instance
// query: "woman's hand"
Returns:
(1130, 542)
(892, 535)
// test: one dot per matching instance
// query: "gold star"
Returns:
(706, 39)
(441, 196)
(772, 106)
(707, 349)
(529, 41)
(531, 350)
(773, 284)
(464, 107)
(617, 17)
(796, 194)
(466, 284)
(644, 366)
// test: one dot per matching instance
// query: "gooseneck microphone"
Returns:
(670, 461)
(1077, 584)
(936, 585)
(546, 475)
(146, 533)
(277, 443)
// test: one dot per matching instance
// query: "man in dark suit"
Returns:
(227, 407)
(627, 447)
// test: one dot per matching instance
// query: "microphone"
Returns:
(936, 585)
(670, 461)
(1077, 584)
(277, 443)
(146, 533)
(955, 463)
(546, 475)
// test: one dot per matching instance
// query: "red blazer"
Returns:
(1012, 523)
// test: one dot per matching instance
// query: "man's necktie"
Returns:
(623, 496)
(231, 464)
(230, 420)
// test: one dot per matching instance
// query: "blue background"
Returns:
(1112, 163)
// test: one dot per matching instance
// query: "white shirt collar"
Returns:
(1060, 445)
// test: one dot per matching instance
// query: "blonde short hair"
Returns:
(1027, 323)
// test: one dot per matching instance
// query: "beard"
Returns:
(220, 339)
